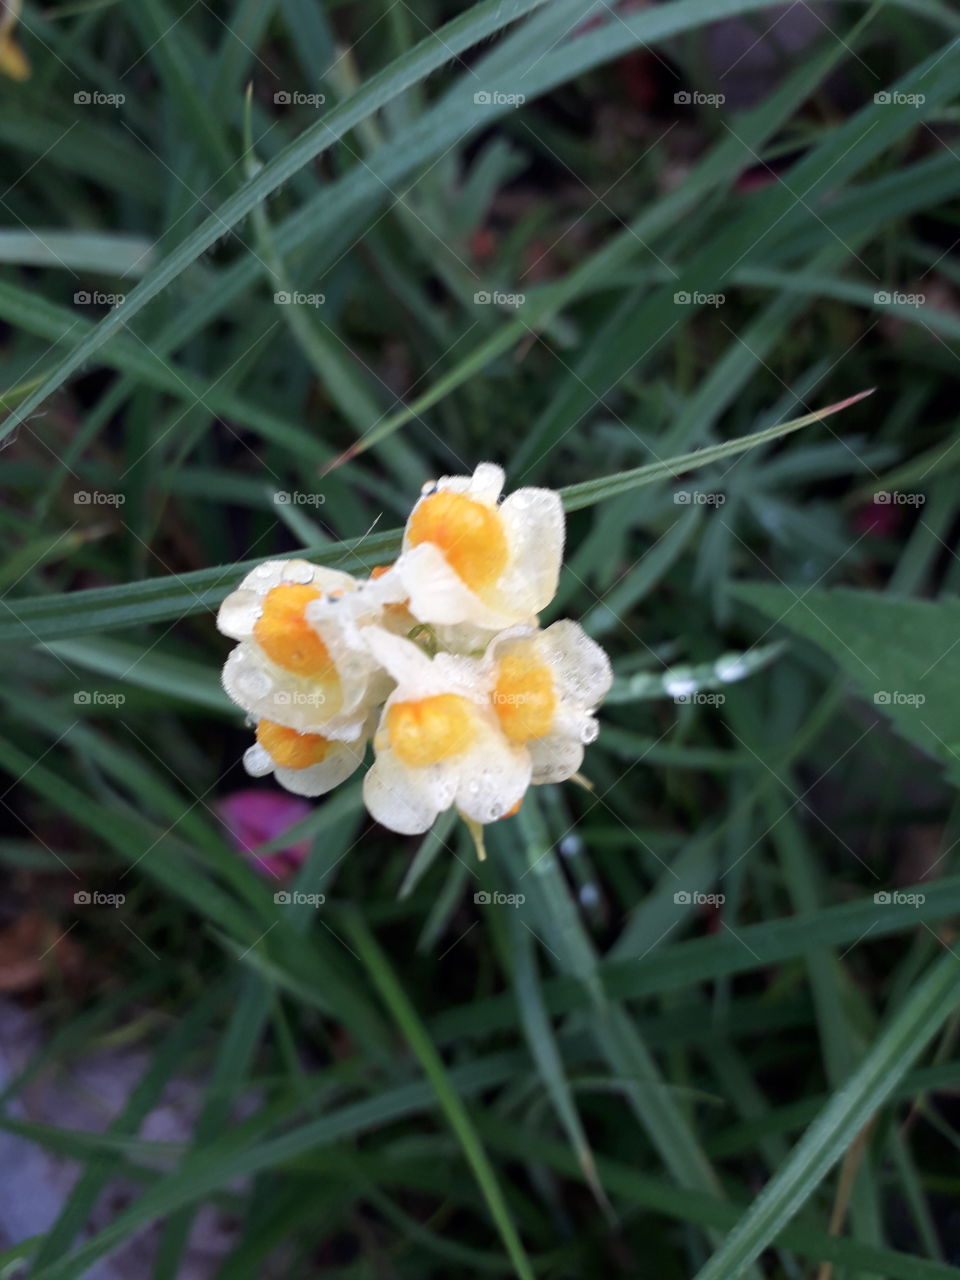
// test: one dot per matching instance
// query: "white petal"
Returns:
(555, 758)
(438, 594)
(342, 759)
(405, 800)
(462, 638)
(239, 613)
(493, 777)
(485, 485)
(420, 676)
(405, 661)
(267, 692)
(534, 523)
(580, 667)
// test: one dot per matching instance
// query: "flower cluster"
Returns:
(438, 659)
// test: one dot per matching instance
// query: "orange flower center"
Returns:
(469, 534)
(430, 729)
(289, 749)
(287, 638)
(524, 697)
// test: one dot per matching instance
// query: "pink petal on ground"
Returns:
(254, 818)
(876, 518)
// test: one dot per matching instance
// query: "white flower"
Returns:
(439, 743)
(300, 662)
(305, 763)
(545, 686)
(468, 558)
(475, 702)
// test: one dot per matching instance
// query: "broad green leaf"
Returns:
(900, 655)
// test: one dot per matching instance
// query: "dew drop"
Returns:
(730, 668)
(254, 684)
(300, 571)
(256, 761)
(679, 686)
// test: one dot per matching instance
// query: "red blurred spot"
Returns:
(878, 518)
(637, 72)
(483, 244)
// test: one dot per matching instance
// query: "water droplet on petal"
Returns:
(256, 761)
(254, 683)
(299, 571)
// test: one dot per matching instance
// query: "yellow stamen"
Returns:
(524, 698)
(289, 749)
(13, 61)
(431, 729)
(469, 534)
(287, 638)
